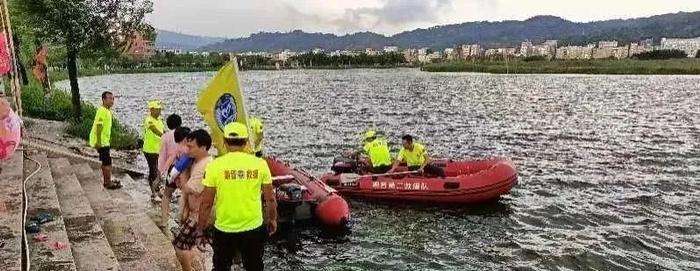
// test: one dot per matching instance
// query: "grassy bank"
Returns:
(625, 66)
(57, 106)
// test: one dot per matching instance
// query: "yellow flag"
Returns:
(222, 102)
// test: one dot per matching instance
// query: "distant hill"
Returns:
(488, 34)
(174, 40)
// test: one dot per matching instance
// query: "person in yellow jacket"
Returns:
(232, 184)
(153, 129)
(256, 126)
(377, 150)
(101, 136)
(416, 157)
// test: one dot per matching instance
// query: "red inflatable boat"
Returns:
(466, 182)
(302, 196)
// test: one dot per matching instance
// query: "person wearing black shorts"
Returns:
(100, 137)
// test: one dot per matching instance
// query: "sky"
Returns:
(240, 18)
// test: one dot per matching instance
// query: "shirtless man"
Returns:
(198, 143)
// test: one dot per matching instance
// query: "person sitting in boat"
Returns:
(377, 150)
(416, 157)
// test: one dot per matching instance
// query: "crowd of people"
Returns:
(221, 197)
(220, 201)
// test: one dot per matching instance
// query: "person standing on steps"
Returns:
(153, 130)
(198, 144)
(170, 149)
(100, 137)
(236, 180)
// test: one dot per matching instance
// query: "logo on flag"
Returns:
(225, 110)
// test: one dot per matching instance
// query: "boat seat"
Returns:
(349, 179)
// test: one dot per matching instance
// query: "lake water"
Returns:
(609, 165)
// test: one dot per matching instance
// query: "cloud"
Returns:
(238, 18)
(392, 14)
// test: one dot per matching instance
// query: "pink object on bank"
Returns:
(4, 54)
(10, 127)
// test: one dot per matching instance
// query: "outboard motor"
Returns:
(344, 164)
(289, 197)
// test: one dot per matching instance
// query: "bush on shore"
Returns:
(57, 106)
(661, 54)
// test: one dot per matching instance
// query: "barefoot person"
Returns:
(100, 137)
(153, 130)
(172, 178)
(236, 180)
(198, 143)
(172, 146)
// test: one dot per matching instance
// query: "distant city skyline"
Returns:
(241, 18)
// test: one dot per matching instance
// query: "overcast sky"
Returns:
(239, 18)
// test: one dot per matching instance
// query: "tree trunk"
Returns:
(72, 56)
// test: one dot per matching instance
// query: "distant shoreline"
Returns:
(690, 66)
(60, 75)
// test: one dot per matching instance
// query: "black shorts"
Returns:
(104, 156)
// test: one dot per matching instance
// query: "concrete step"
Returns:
(11, 212)
(127, 247)
(91, 250)
(137, 210)
(42, 199)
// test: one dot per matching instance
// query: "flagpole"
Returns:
(251, 136)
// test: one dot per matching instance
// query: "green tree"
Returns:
(84, 26)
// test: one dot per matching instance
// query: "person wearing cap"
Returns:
(256, 126)
(235, 180)
(153, 130)
(377, 150)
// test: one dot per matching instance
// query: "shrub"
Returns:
(57, 106)
(535, 58)
(661, 54)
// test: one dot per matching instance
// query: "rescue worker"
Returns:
(377, 151)
(236, 180)
(416, 157)
(153, 129)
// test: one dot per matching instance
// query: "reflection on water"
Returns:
(609, 164)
